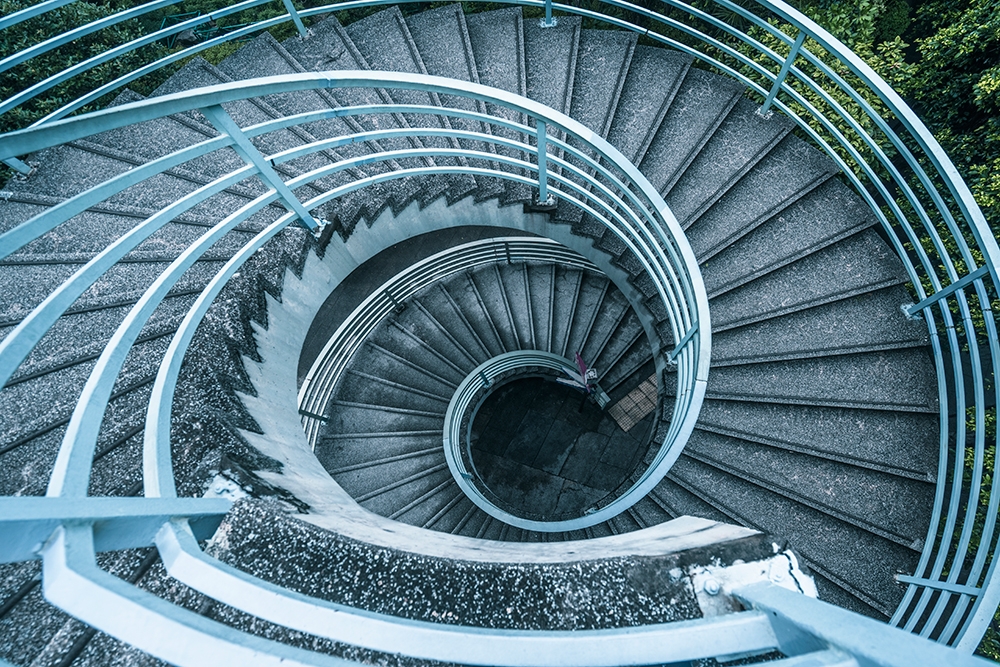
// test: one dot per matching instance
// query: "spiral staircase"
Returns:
(826, 426)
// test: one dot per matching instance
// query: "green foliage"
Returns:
(956, 88)
(55, 22)
(894, 21)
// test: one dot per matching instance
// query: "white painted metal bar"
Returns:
(644, 645)
(72, 581)
(120, 523)
(224, 123)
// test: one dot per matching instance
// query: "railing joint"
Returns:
(313, 415)
(549, 21)
(945, 586)
(779, 80)
(913, 310)
(295, 18)
(19, 166)
(225, 124)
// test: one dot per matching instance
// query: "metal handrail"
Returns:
(591, 174)
(324, 374)
(925, 211)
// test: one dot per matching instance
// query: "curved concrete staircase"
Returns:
(820, 425)
(382, 442)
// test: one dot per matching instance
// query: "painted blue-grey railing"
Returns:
(634, 212)
(324, 374)
(898, 167)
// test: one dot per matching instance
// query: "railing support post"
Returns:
(780, 79)
(913, 310)
(295, 17)
(18, 166)
(549, 21)
(544, 198)
(224, 123)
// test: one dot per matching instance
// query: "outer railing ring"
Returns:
(924, 205)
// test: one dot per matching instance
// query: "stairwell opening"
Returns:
(547, 451)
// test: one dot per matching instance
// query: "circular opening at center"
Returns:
(547, 451)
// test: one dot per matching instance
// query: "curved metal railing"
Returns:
(883, 149)
(598, 180)
(324, 374)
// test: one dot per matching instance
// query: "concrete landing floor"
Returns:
(549, 452)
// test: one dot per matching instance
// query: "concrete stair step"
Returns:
(864, 560)
(350, 417)
(386, 44)
(701, 103)
(445, 309)
(623, 370)
(551, 61)
(791, 170)
(512, 280)
(73, 168)
(739, 143)
(497, 41)
(900, 443)
(858, 264)
(76, 338)
(155, 138)
(350, 452)
(825, 215)
(887, 380)
(653, 78)
(436, 496)
(592, 294)
(602, 63)
(399, 486)
(363, 387)
(498, 309)
(891, 506)
(198, 73)
(542, 287)
(329, 47)
(124, 282)
(465, 293)
(449, 515)
(36, 444)
(400, 341)
(566, 294)
(867, 322)
(442, 39)
(614, 326)
(423, 325)
(264, 56)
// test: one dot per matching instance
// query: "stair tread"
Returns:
(854, 265)
(866, 322)
(895, 505)
(790, 169)
(653, 78)
(827, 214)
(497, 41)
(602, 62)
(442, 40)
(698, 107)
(897, 442)
(264, 56)
(867, 561)
(739, 142)
(550, 57)
(891, 379)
